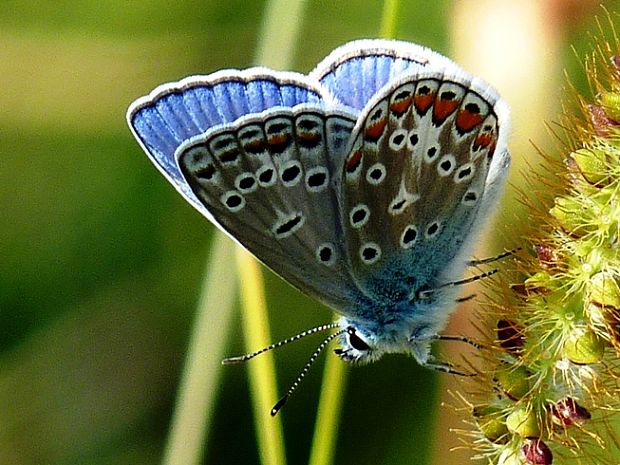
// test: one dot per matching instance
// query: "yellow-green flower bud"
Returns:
(523, 422)
(584, 348)
(491, 423)
(514, 381)
(591, 163)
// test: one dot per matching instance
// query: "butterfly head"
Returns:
(360, 344)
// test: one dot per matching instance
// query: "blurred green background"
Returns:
(101, 260)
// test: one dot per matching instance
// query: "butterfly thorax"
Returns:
(407, 326)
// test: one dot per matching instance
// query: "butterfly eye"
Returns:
(356, 341)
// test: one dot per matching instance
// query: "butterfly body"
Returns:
(364, 184)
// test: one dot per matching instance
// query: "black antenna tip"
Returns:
(279, 404)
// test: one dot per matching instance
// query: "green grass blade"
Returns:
(323, 447)
(328, 416)
(389, 20)
(201, 373)
(261, 371)
(275, 49)
(280, 31)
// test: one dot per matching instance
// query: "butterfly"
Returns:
(365, 183)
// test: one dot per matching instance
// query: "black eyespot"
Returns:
(432, 229)
(376, 174)
(464, 173)
(424, 90)
(413, 139)
(470, 197)
(358, 216)
(316, 179)
(446, 165)
(288, 226)
(357, 342)
(369, 253)
(233, 201)
(247, 183)
(266, 176)
(291, 173)
(432, 152)
(398, 139)
(398, 205)
(410, 235)
(325, 254)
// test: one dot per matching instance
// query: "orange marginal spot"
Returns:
(401, 106)
(309, 136)
(278, 139)
(375, 130)
(255, 146)
(483, 141)
(443, 109)
(354, 161)
(423, 102)
(466, 120)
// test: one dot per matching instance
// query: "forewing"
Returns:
(415, 179)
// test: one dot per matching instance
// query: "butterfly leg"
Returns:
(445, 367)
(422, 354)
(496, 258)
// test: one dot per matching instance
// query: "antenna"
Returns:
(279, 404)
(244, 358)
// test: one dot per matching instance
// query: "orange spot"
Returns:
(443, 109)
(374, 131)
(466, 120)
(483, 141)
(354, 161)
(309, 136)
(423, 102)
(255, 146)
(400, 107)
(278, 139)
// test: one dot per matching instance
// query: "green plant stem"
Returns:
(275, 49)
(328, 415)
(323, 447)
(261, 371)
(389, 18)
(201, 373)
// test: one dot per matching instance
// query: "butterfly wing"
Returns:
(356, 71)
(175, 112)
(426, 161)
(256, 153)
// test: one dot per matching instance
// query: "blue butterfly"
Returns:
(364, 184)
